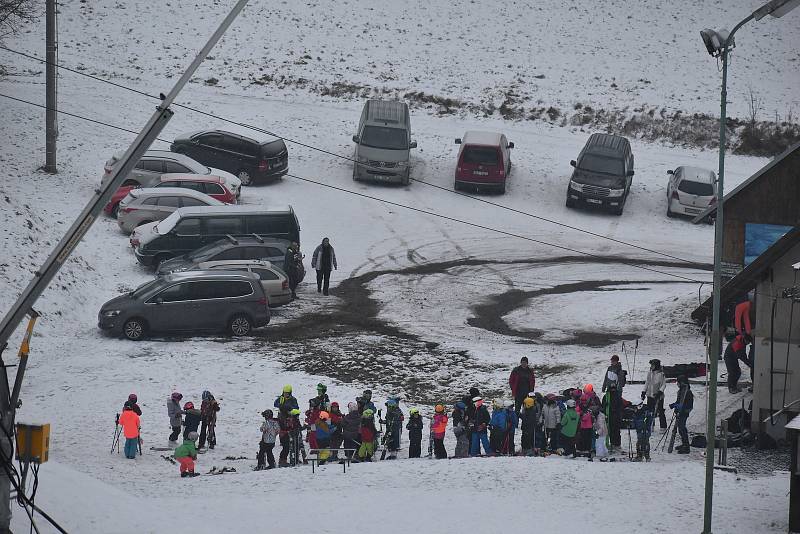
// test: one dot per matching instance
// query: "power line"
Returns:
(624, 261)
(347, 158)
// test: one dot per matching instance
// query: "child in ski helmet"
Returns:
(499, 426)
(569, 428)
(438, 429)
(511, 424)
(133, 403)
(186, 454)
(191, 421)
(324, 431)
(129, 421)
(368, 434)
(269, 434)
(414, 428)
(175, 420)
(312, 415)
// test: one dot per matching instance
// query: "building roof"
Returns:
(750, 275)
(763, 170)
(474, 137)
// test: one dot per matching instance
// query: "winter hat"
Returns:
(473, 392)
(334, 405)
(267, 414)
(352, 407)
(191, 436)
(439, 408)
(570, 403)
(287, 388)
(322, 387)
(460, 405)
(615, 358)
(529, 402)
(176, 396)
(132, 397)
(391, 403)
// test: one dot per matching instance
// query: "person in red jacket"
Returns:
(129, 422)
(312, 416)
(438, 429)
(522, 382)
(337, 437)
(744, 318)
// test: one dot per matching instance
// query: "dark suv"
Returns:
(184, 302)
(230, 248)
(248, 159)
(603, 173)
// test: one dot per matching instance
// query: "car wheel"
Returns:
(134, 329)
(670, 213)
(570, 203)
(244, 176)
(115, 210)
(407, 178)
(240, 325)
(503, 189)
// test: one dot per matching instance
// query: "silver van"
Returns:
(383, 141)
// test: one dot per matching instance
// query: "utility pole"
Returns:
(50, 119)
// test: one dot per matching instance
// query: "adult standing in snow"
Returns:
(208, 420)
(654, 386)
(683, 406)
(394, 428)
(365, 402)
(293, 267)
(621, 375)
(175, 420)
(613, 382)
(744, 319)
(285, 403)
(522, 382)
(324, 260)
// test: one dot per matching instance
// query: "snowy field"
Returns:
(422, 307)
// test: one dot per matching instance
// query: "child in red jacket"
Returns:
(368, 434)
(312, 416)
(438, 429)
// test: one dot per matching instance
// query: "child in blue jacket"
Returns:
(499, 427)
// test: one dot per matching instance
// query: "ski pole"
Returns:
(117, 431)
(635, 350)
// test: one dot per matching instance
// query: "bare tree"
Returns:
(754, 105)
(13, 13)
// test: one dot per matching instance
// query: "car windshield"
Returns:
(601, 164)
(480, 155)
(384, 137)
(144, 288)
(696, 188)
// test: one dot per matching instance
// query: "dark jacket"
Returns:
(414, 427)
(522, 381)
(530, 418)
(350, 426)
(286, 404)
(208, 410)
(191, 420)
(323, 261)
(133, 406)
(684, 394)
(481, 420)
(621, 376)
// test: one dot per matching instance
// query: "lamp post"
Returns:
(719, 44)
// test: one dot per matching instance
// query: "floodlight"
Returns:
(716, 40)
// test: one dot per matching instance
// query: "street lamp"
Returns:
(719, 44)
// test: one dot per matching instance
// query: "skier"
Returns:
(394, 428)
(569, 428)
(683, 406)
(365, 402)
(293, 267)
(469, 411)
(643, 423)
(414, 428)
(458, 417)
(269, 433)
(551, 414)
(478, 425)
(602, 431)
(322, 397)
(285, 403)
(336, 437)
(529, 418)
(129, 421)
(323, 260)
(174, 412)
(438, 429)
(350, 429)
(522, 382)
(191, 420)
(296, 437)
(585, 434)
(654, 386)
(186, 454)
(499, 425)
(312, 415)
(132, 402)
(368, 434)
(324, 432)
(612, 406)
(208, 420)
(511, 425)
(621, 374)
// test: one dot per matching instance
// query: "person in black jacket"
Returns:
(478, 425)
(683, 406)
(293, 267)
(191, 419)
(414, 428)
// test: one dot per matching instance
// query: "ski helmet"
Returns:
(132, 397)
(508, 404)
(206, 395)
(322, 388)
(460, 405)
(287, 388)
(294, 411)
(367, 414)
(367, 395)
(439, 408)
(188, 406)
(192, 436)
(176, 396)
(413, 411)
(352, 406)
(391, 403)
(571, 403)
(335, 405)
(324, 415)
(267, 414)
(588, 388)
(529, 402)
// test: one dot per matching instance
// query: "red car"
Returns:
(213, 186)
(484, 161)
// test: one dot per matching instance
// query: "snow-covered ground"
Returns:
(424, 307)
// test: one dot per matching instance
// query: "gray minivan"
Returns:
(188, 229)
(383, 141)
(185, 302)
(603, 173)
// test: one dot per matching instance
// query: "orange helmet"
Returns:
(324, 415)
(439, 408)
(588, 388)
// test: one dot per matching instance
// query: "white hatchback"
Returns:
(690, 191)
(273, 279)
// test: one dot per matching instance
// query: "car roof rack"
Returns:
(258, 237)
(232, 239)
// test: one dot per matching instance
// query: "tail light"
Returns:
(263, 301)
(502, 172)
(135, 241)
(675, 195)
(263, 165)
(128, 210)
(458, 169)
(285, 284)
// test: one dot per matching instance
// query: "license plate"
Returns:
(594, 201)
(693, 211)
(481, 173)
